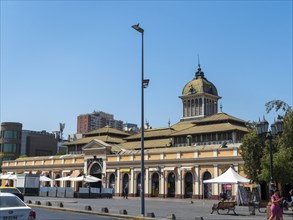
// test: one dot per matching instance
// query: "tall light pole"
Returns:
(144, 84)
(262, 129)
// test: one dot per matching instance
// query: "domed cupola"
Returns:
(199, 97)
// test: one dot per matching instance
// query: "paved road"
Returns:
(47, 214)
(184, 209)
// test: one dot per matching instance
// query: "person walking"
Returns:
(276, 209)
(125, 191)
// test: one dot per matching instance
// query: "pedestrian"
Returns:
(291, 197)
(125, 191)
(276, 209)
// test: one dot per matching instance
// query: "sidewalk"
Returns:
(184, 209)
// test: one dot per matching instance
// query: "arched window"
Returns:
(112, 182)
(155, 185)
(207, 187)
(188, 185)
(171, 185)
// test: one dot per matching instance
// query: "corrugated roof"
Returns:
(220, 116)
(166, 142)
(104, 138)
(196, 129)
(159, 132)
(107, 130)
(182, 149)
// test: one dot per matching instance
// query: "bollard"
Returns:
(60, 204)
(88, 208)
(29, 201)
(123, 212)
(48, 203)
(151, 214)
(105, 210)
(37, 202)
(199, 218)
(171, 216)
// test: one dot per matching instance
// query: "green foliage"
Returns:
(277, 105)
(251, 151)
(255, 150)
(62, 152)
(22, 156)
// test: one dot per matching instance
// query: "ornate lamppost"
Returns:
(262, 130)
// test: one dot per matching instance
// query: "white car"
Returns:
(13, 208)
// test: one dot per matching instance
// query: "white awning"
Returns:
(169, 168)
(153, 169)
(186, 168)
(66, 171)
(75, 173)
(110, 170)
(136, 169)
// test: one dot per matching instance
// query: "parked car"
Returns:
(13, 207)
(12, 190)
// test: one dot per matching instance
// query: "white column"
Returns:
(162, 183)
(179, 192)
(118, 182)
(147, 181)
(235, 186)
(131, 187)
(215, 186)
(196, 180)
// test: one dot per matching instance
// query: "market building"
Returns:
(201, 146)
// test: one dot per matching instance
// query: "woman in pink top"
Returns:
(276, 209)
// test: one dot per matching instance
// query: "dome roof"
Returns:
(199, 84)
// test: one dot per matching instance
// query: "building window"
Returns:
(10, 134)
(9, 148)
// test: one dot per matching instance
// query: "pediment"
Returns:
(97, 145)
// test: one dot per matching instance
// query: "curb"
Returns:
(93, 212)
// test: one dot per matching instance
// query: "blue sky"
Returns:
(60, 59)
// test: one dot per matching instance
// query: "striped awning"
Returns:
(169, 168)
(75, 173)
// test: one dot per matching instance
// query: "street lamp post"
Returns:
(262, 129)
(144, 84)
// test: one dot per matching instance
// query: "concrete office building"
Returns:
(93, 121)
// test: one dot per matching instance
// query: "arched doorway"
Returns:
(171, 185)
(188, 187)
(138, 184)
(96, 171)
(125, 182)
(57, 183)
(112, 182)
(207, 187)
(155, 185)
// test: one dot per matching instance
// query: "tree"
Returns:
(251, 151)
(255, 150)
(283, 144)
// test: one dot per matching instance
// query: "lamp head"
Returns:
(136, 27)
(145, 83)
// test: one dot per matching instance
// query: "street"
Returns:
(185, 209)
(47, 214)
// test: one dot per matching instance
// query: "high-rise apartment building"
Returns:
(96, 120)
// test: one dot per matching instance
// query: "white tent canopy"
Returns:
(45, 179)
(8, 176)
(65, 178)
(229, 177)
(87, 178)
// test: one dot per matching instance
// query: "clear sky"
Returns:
(60, 59)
